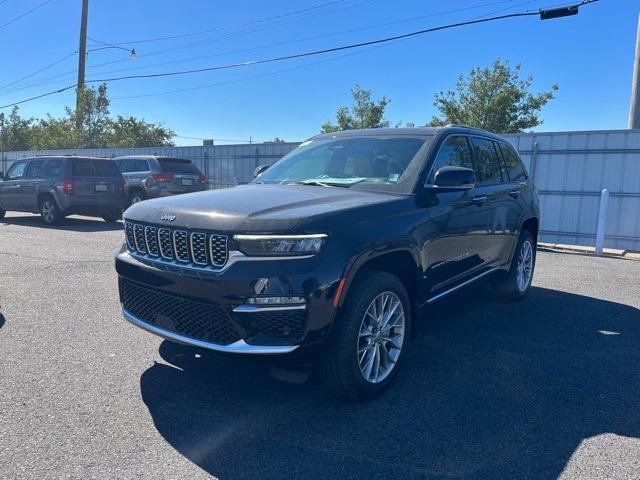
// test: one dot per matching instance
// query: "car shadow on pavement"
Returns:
(73, 224)
(488, 390)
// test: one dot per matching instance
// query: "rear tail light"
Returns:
(67, 186)
(122, 188)
(202, 179)
(162, 177)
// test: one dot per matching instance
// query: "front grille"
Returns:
(197, 249)
(283, 324)
(191, 318)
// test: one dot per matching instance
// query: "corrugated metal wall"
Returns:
(569, 168)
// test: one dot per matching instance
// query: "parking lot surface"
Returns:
(545, 388)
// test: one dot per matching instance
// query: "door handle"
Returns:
(479, 200)
(515, 193)
(36, 183)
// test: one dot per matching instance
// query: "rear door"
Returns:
(30, 184)
(186, 177)
(9, 188)
(516, 186)
(491, 195)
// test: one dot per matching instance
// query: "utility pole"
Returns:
(634, 110)
(82, 57)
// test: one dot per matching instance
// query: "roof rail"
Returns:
(466, 126)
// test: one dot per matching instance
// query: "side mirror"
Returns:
(452, 179)
(259, 169)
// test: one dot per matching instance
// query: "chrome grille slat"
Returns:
(128, 232)
(218, 250)
(181, 245)
(138, 236)
(166, 243)
(151, 238)
(198, 243)
(195, 249)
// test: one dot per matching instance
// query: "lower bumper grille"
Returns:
(283, 324)
(191, 318)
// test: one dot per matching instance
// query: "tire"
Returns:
(516, 283)
(136, 196)
(49, 211)
(356, 340)
(112, 216)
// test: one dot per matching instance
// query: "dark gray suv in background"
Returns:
(65, 185)
(151, 176)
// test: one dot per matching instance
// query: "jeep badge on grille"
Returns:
(168, 218)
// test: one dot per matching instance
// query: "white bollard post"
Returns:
(602, 221)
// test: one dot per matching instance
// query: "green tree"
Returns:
(495, 98)
(365, 113)
(132, 132)
(98, 129)
(17, 132)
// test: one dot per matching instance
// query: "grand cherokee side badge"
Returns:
(168, 218)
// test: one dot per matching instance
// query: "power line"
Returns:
(40, 70)
(229, 27)
(315, 37)
(421, 17)
(313, 52)
(297, 55)
(25, 13)
(189, 45)
(227, 82)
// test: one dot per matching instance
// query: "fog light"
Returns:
(276, 300)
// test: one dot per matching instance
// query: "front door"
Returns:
(9, 188)
(452, 252)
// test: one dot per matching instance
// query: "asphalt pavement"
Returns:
(542, 389)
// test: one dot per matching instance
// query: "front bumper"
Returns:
(240, 346)
(263, 330)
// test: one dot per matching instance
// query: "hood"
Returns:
(254, 208)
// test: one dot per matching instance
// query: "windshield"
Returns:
(385, 163)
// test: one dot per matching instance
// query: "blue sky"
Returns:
(590, 56)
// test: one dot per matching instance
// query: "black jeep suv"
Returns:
(330, 254)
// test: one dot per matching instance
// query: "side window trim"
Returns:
(475, 158)
(437, 153)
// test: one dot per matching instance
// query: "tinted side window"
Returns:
(106, 168)
(53, 168)
(454, 152)
(16, 171)
(82, 168)
(126, 166)
(34, 168)
(512, 163)
(141, 166)
(488, 170)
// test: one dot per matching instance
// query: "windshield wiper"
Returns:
(317, 183)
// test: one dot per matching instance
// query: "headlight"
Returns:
(280, 245)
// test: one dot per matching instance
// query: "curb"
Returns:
(607, 252)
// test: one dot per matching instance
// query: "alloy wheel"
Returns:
(525, 265)
(48, 211)
(381, 337)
